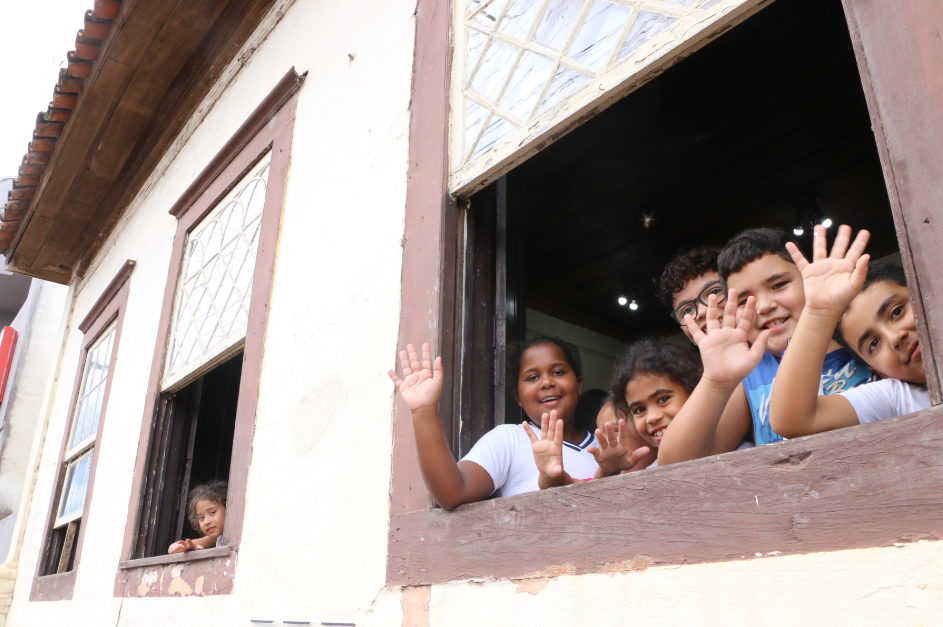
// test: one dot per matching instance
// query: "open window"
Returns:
(824, 493)
(205, 374)
(72, 493)
(767, 126)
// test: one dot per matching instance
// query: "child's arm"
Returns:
(830, 283)
(451, 484)
(714, 419)
(183, 546)
(548, 452)
(614, 453)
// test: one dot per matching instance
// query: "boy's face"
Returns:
(777, 286)
(653, 402)
(691, 291)
(880, 327)
(547, 382)
(212, 517)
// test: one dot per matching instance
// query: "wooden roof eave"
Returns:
(158, 62)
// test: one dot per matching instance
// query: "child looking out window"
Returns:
(757, 267)
(206, 511)
(547, 382)
(869, 311)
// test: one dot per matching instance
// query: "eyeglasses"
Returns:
(690, 307)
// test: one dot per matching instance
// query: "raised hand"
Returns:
(548, 450)
(832, 281)
(725, 350)
(613, 455)
(421, 386)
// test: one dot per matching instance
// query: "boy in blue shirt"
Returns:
(760, 273)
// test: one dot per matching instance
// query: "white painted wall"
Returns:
(36, 351)
(315, 534)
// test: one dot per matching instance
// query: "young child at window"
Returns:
(869, 311)
(688, 279)
(755, 264)
(633, 438)
(547, 376)
(206, 511)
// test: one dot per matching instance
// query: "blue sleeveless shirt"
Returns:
(841, 371)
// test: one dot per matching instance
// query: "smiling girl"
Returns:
(547, 380)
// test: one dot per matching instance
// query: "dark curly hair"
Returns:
(657, 357)
(211, 491)
(516, 351)
(878, 272)
(750, 245)
(682, 268)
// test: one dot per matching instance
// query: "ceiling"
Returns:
(730, 138)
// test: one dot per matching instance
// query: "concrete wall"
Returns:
(36, 350)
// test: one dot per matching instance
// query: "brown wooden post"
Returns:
(427, 204)
(900, 57)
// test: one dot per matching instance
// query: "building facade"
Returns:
(255, 204)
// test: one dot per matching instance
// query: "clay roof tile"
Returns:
(50, 124)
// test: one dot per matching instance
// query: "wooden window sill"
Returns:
(56, 587)
(832, 491)
(176, 558)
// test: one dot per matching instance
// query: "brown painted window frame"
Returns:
(268, 128)
(867, 486)
(109, 308)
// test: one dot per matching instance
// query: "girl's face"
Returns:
(212, 517)
(653, 401)
(547, 382)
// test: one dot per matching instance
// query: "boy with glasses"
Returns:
(688, 280)
(757, 267)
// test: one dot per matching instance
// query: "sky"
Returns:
(37, 36)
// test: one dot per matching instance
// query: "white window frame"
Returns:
(75, 454)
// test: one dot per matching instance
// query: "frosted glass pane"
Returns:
(527, 83)
(647, 26)
(558, 22)
(475, 43)
(499, 58)
(498, 128)
(598, 34)
(474, 117)
(208, 300)
(489, 16)
(565, 82)
(519, 18)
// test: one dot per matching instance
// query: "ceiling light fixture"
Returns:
(623, 300)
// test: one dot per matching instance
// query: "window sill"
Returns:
(833, 491)
(53, 587)
(175, 558)
(196, 573)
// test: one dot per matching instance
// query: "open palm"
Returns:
(613, 455)
(421, 385)
(725, 349)
(548, 450)
(832, 281)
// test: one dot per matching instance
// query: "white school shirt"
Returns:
(887, 398)
(506, 454)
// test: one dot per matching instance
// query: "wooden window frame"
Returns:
(867, 486)
(109, 308)
(212, 571)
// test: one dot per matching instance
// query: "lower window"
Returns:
(192, 444)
